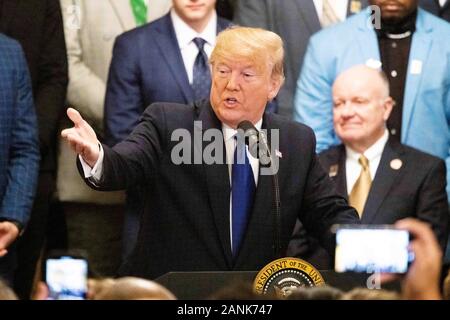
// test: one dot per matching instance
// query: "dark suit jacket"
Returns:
(295, 21)
(146, 67)
(416, 189)
(19, 153)
(37, 25)
(185, 226)
(434, 7)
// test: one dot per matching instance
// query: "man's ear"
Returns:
(388, 105)
(275, 85)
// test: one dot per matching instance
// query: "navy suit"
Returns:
(19, 145)
(185, 225)
(146, 67)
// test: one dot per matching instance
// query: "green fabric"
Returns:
(140, 11)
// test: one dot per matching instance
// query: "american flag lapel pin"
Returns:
(278, 153)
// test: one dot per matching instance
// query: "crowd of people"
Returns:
(354, 96)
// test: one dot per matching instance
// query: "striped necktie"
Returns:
(329, 17)
(360, 191)
(139, 8)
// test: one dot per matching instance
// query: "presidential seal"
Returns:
(284, 275)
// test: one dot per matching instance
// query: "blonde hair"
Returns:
(254, 44)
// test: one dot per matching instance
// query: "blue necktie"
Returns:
(242, 192)
(201, 82)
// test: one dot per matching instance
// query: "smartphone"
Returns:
(372, 248)
(66, 275)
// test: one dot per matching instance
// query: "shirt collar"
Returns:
(185, 33)
(229, 132)
(372, 152)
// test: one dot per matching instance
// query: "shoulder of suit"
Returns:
(8, 43)
(224, 23)
(418, 156)
(144, 30)
(9, 48)
(348, 26)
(439, 25)
(332, 153)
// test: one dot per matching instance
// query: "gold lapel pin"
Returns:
(333, 170)
(355, 6)
(396, 164)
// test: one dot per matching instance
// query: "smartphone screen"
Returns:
(66, 278)
(370, 249)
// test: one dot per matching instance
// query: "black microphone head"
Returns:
(246, 125)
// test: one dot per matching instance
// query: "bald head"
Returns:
(128, 288)
(368, 79)
(361, 106)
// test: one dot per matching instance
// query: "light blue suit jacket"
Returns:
(426, 106)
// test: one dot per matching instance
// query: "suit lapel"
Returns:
(218, 184)
(341, 177)
(122, 10)
(8, 12)
(383, 181)
(368, 42)
(420, 47)
(309, 14)
(166, 40)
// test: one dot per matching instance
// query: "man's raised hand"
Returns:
(82, 138)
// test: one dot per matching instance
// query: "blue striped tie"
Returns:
(201, 82)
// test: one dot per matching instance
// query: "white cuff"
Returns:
(96, 172)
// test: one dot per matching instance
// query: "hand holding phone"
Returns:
(372, 248)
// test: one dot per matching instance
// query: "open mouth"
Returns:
(231, 101)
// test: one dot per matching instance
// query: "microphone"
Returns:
(256, 142)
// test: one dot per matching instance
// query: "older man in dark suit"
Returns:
(384, 180)
(196, 215)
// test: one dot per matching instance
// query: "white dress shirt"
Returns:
(373, 154)
(230, 145)
(339, 6)
(185, 34)
(442, 3)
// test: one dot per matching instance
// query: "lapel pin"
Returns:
(278, 153)
(333, 170)
(396, 164)
(355, 6)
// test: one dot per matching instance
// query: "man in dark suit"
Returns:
(440, 8)
(404, 182)
(196, 216)
(19, 152)
(37, 25)
(295, 21)
(155, 63)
